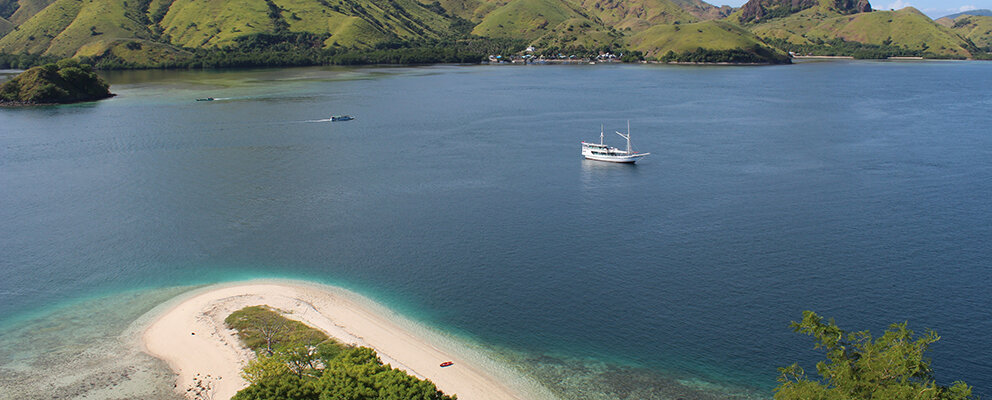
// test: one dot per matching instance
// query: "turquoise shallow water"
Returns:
(856, 189)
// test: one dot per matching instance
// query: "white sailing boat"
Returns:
(601, 152)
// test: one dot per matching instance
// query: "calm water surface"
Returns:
(859, 190)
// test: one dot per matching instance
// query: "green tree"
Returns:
(860, 367)
(282, 387)
(304, 364)
(259, 324)
(303, 354)
(264, 368)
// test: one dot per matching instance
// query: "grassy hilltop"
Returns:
(683, 38)
(907, 29)
(270, 32)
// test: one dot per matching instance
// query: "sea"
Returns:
(861, 190)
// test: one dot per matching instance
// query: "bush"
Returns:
(307, 365)
(860, 367)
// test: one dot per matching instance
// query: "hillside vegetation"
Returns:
(5, 26)
(527, 19)
(25, 9)
(638, 15)
(157, 31)
(906, 29)
(718, 35)
(703, 10)
(223, 33)
(977, 29)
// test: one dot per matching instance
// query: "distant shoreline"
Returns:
(825, 58)
(17, 104)
(192, 339)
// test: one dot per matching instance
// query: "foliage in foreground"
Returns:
(297, 362)
(860, 367)
(67, 81)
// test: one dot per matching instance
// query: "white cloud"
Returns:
(967, 8)
(898, 5)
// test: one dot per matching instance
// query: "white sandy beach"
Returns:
(192, 338)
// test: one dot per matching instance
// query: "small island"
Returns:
(66, 81)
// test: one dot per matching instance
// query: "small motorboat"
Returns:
(206, 99)
(447, 364)
(336, 118)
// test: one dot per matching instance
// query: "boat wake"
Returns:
(318, 120)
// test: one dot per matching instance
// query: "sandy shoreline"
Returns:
(191, 337)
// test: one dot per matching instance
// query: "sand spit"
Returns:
(192, 338)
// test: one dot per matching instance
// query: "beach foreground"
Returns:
(192, 338)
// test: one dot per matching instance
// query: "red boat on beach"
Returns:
(447, 364)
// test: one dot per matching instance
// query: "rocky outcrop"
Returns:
(703, 10)
(758, 10)
(851, 6)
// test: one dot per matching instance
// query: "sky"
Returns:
(933, 8)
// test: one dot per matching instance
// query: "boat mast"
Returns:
(601, 134)
(628, 136)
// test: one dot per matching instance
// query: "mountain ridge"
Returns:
(167, 32)
(979, 13)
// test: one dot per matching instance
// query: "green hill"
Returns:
(36, 35)
(26, 9)
(208, 23)
(470, 10)
(710, 35)
(589, 24)
(978, 29)
(172, 32)
(154, 31)
(527, 19)
(580, 33)
(907, 29)
(637, 15)
(69, 28)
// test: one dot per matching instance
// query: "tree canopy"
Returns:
(298, 362)
(858, 366)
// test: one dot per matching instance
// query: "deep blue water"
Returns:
(859, 190)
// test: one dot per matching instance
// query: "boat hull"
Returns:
(616, 159)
